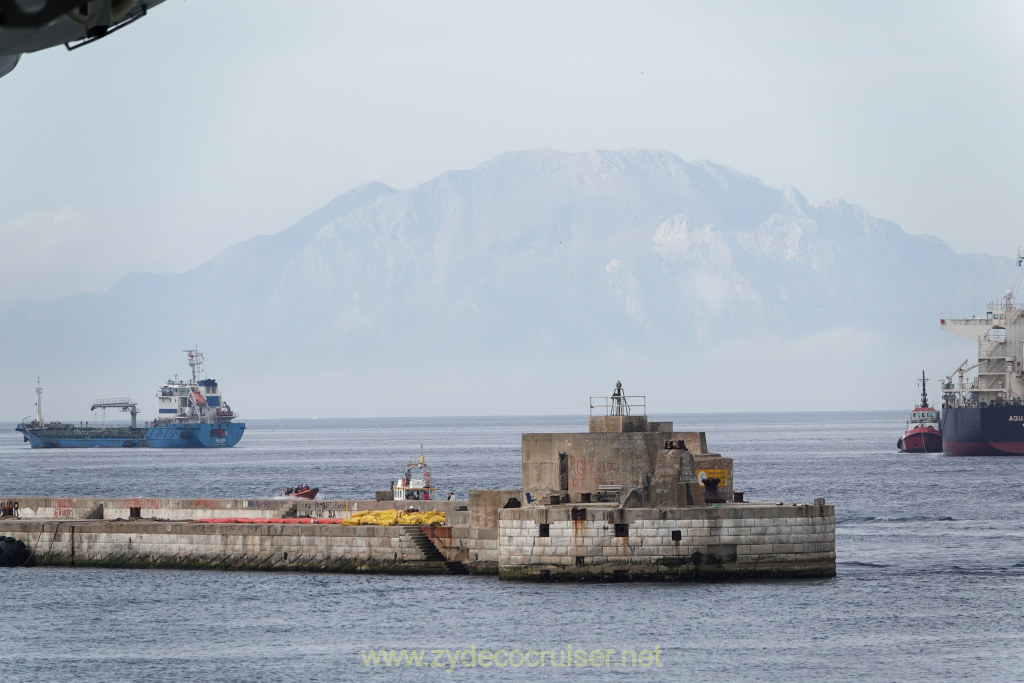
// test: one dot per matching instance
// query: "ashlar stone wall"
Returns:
(737, 540)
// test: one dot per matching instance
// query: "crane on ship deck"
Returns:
(959, 373)
(125, 404)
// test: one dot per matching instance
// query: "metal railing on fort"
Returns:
(618, 405)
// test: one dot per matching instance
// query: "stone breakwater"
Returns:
(628, 499)
(160, 532)
(183, 545)
(598, 541)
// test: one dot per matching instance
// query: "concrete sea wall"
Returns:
(183, 509)
(307, 547)
(169, 532)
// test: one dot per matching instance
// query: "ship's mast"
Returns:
(1020, 270)
(39, 402)
(924, 390)
(195, 361)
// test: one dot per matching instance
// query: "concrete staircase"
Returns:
(432, 554)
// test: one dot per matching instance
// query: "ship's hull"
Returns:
(921, 440)
(176, 435)
(992, 430)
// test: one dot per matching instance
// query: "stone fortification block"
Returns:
(457, 518)
(664, 491)
(578, 464)
(545, 471)
(484, 506)
(618, 424)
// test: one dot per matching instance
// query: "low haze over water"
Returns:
(929, 586)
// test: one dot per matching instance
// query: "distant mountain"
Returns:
(525, 285)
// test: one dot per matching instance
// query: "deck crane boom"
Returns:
(125, 404)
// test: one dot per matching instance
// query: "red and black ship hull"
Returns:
(992, 430)
(921, 440)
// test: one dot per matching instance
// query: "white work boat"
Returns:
(415, 484)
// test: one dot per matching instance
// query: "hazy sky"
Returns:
(211, 121)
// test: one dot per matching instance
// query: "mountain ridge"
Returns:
(534, 270)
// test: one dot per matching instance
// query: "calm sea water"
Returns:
(930, 568)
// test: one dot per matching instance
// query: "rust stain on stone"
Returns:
(578, 526)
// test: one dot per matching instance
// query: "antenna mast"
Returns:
(39, 402)
(195, 361)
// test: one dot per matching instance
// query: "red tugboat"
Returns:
(924, 432)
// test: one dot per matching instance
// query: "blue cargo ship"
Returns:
(191, 414)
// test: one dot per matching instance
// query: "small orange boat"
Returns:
(301, 491)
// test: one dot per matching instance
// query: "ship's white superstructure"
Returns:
(194, 399)
(984, 415)
(1000, 366)
(415, 484)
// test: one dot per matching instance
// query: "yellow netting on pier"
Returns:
(393, 517)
